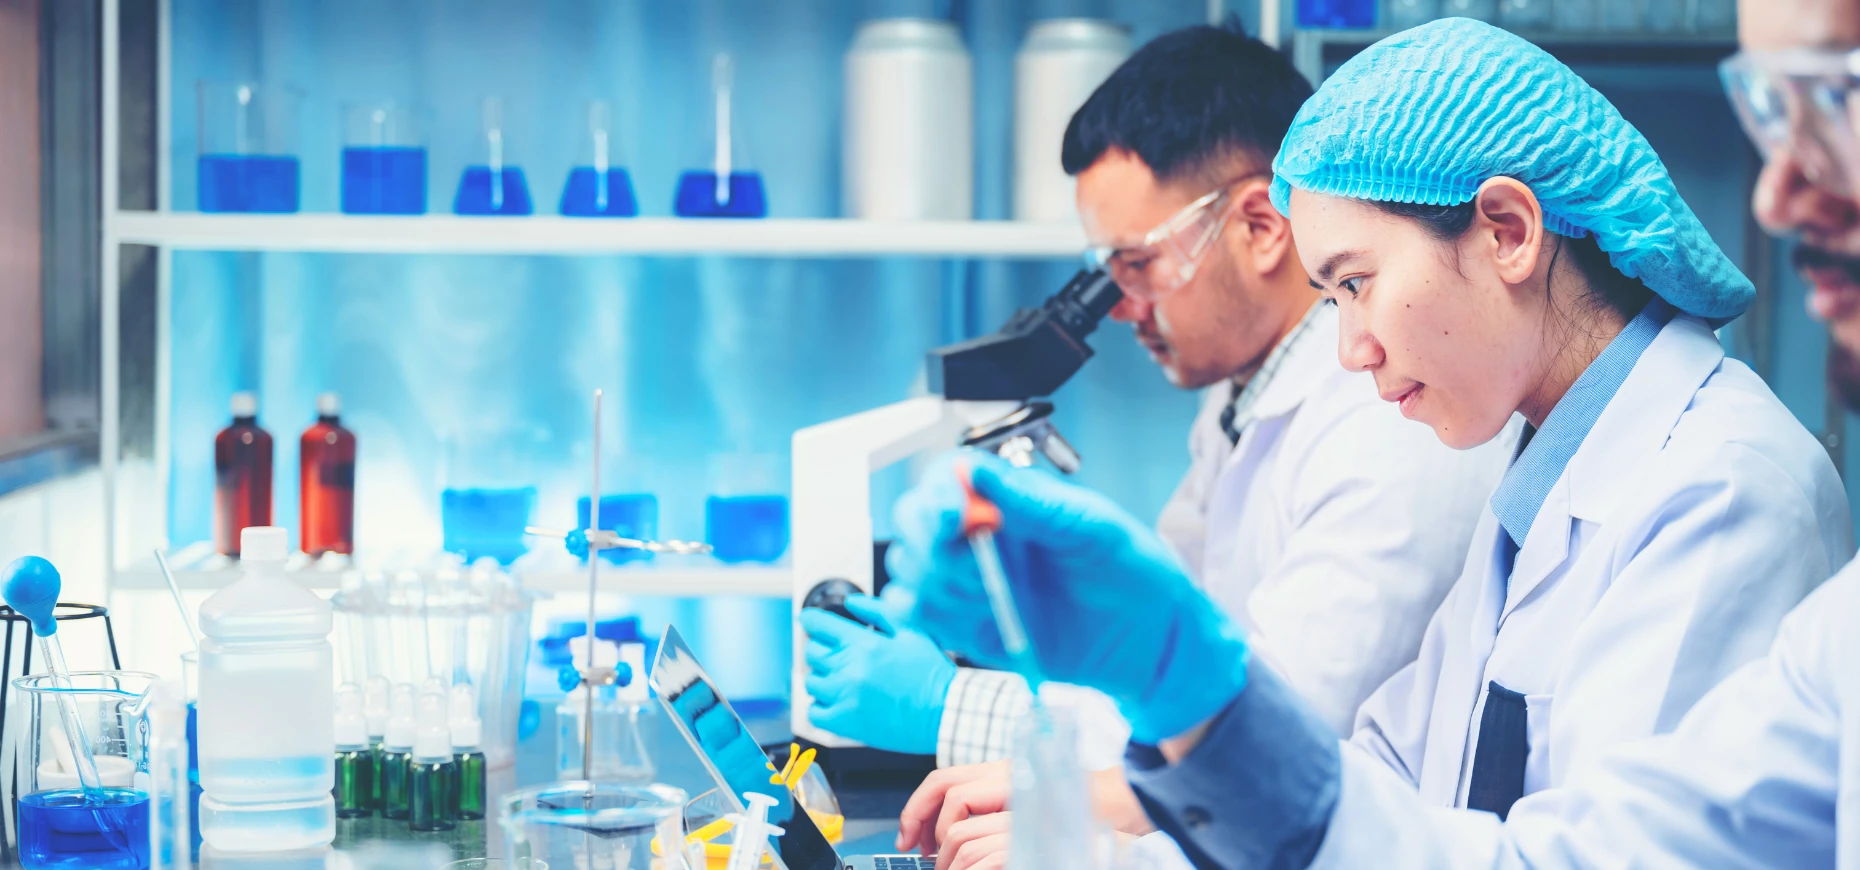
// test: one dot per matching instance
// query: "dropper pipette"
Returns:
(980, 520)
(31, 589)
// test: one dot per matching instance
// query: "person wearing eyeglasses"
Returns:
(1627, 674)
(1312, 511)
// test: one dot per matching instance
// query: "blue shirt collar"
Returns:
(1545, 453)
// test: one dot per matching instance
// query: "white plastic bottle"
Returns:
(267, 708)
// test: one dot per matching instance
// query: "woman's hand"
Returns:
(949, 796)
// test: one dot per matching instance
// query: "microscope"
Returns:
(986, 394)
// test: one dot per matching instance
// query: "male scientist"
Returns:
(1764, 771)
(1312, 512)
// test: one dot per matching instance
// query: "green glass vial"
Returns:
(355, 761)
(431, 773)
(468, 787)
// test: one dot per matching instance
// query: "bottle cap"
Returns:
(467, 733)
(351, 730)
(245, 405)
(402, 727)
(264, 544)
(375, 706)
(328, 405)
(462, 703)
(432, 743)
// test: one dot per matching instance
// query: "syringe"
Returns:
(752, 832)
(980, 520)
(31, 589)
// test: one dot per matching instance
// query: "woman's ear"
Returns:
(1508, 229)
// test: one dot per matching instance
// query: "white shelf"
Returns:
(451, 234)
(198, 567)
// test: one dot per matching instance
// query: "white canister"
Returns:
(909, 148)
(1059, 65)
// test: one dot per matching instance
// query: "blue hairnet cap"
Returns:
(1428, 115)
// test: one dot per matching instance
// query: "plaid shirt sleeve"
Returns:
(979, 713)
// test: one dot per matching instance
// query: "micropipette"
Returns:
(752, 832)
(980, 520)
(31, 589)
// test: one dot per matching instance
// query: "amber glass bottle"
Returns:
(326, 482)
(242, 471)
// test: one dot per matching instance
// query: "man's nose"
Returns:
(1787, 201)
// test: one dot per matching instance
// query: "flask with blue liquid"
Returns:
(599, 186)
(727, 188)
(495, 186)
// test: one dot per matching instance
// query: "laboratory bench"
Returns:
(871, 803)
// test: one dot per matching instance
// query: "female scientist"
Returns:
(1498, 241)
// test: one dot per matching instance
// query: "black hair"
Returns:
(1607, 286)
(1189, 101)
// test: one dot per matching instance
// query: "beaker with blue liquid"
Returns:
(383, 159)
(727, 188)
(630, 515)
(746, 515)
(494, 185)
(247, 137)
(61, 823)
(599, 186)
(488, 489)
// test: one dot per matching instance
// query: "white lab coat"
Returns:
(1763, 772)
(1333, 529)
(1695, 514)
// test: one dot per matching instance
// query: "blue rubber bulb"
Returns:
(623, 674)
(568, 678)
(31, 589)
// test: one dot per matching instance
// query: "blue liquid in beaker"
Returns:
(474, 195)
(1346, 14)
(582, 196)
(697, 196)
(631, 515)
(66, 829)
(746, 528)
(248, 183)
(486, 522)
(384, 180)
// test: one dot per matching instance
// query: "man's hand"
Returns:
(949, 796)
(976, 843)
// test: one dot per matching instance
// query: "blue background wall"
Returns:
(700, 357)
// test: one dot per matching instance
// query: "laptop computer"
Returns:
(738, 764)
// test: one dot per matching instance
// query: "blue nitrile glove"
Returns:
(884, 690)
(1105, 601)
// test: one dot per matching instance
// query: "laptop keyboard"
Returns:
(902, 862)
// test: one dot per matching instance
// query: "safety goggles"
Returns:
(1801, 102)
(1167, 257)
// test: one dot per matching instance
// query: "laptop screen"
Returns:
(731, 754)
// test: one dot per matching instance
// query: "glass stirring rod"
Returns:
(980, 520)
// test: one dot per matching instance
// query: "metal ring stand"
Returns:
(64, 611)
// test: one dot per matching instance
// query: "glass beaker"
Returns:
(1524, 14)
(1403, 14)
(1483, 10)
(247, 141)
(383, 159)
(495, 185)
(60, 825)
(598, 186)
(592, 824)
(1575, 15)
(630, 515)
(726, 189)
(488, 490)
(746, 515)
(1347, 14)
